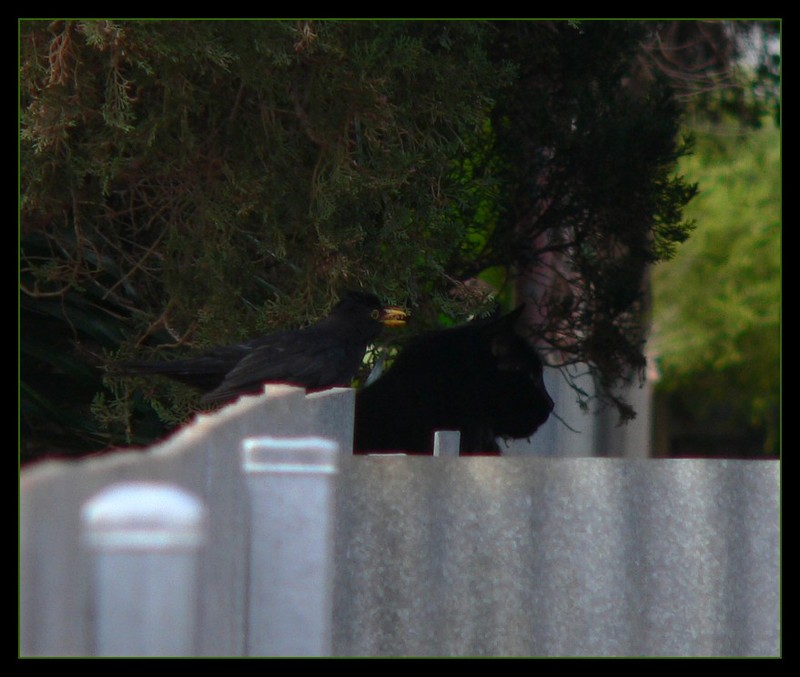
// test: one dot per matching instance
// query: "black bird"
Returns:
(322, 355)
(482, 379)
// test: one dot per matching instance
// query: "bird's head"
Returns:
(364, 302)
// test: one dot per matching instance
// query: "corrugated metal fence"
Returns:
(255, 532)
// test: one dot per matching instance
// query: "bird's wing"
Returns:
(307, 358)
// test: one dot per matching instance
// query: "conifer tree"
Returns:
(192, 183)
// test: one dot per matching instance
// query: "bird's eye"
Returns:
(375, 314)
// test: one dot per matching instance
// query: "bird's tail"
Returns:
(193, 372)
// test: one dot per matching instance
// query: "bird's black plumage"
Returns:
(482, 379)
(322, 355)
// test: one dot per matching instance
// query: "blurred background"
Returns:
(716, 341)
(716, 335)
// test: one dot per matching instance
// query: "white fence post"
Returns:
(145, 538)
(446, 443)
(290, 598)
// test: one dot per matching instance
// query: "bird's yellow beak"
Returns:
(394, 316)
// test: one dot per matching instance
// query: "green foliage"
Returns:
(216, 154)
(718, 302)
(588, 196)
(209, 180)
(199, 182)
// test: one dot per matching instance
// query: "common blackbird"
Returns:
(482, 379)
(322, 355)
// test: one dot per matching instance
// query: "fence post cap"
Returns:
(289, 454)
(143, 515)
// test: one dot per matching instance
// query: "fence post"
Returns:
(446, 443)
(145, 538)
(290, 599)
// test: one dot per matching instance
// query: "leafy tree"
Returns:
(189, 183)
(717, 303)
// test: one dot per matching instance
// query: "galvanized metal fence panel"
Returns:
(396, 555)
